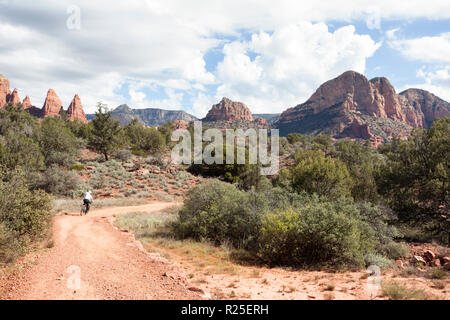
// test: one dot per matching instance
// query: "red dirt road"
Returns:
(91, 259)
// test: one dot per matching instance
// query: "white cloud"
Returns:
(425, 49)
(161, 44)
(436, 81)
(289, 64)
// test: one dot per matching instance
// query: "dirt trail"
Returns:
(110, 264)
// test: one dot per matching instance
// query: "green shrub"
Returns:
(77, 167)
(220, 212)
(378, 260)
(438, 273)
(319, 232)
(11, 246)
(396, 291)
(58, 144)
(56, 181)
(325, 176)
(395, 250)
(24, 216)
(124, 155)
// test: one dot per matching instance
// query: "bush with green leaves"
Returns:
(374, 259)
(318, 233)
(55, 180)
(221, 213)
(415, 178)
(25, 215)
(58, 144)
(146, 139)
(316, 173)
(105, 136)
(124, 155)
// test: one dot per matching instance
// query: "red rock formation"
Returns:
(4, 91)
(229, 111)
(357, 130)
(26, 104)
(335, 105)
(75, 110)
(13, 98)
(423, 107)
(261, 122)
(52, 105)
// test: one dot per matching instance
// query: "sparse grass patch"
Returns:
(330, 287)
(439, 284)
(395, 291)
(438, 273)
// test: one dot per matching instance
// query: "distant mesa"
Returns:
(352, 106)
(149, 116)
(52, 105)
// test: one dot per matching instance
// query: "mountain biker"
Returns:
(88, 200)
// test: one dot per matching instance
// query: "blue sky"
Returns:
(176, 54)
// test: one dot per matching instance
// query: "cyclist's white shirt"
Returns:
(88, 196)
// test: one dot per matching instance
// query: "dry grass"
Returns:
(153, 230)
(396, 291)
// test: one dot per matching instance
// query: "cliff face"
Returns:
(4, 91)
(346, 105)
(52, 105)
(13, 97)
(75, 110)
(149, 116)
(227, 110)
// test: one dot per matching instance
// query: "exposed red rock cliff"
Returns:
(338, 103)
(261, 122)
(4, 91)
(26, 104)
(13, 98)
(75, 110)
(229, 111)
(52, 105)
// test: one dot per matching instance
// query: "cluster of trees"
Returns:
(38, 158)
(341, 203)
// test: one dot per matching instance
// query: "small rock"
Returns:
(399, 264)
(447, 266)
(195, 289)
(445, 260)
(436, 263)
(429, 255)
(418, 259)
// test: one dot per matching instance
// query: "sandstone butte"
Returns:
(75, 110)
(227, 110)
(26, 103)
(4, 90)
(13, 98)
(352, 106)
(52, 105)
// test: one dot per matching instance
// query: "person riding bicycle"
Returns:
(88, 200)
